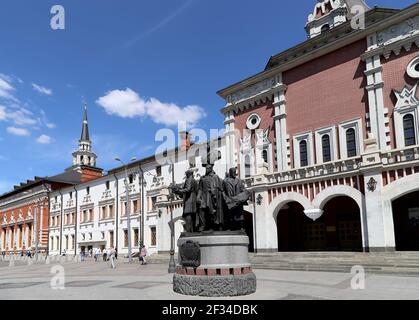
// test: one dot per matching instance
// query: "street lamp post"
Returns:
(128, 212)
(172, 264)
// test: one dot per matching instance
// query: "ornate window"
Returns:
(351, 145)
(350, 139)
(327, 156)
(303, 154)
(125, 238)
(265, 155)
(325, 28)
(409, 130)
(413, 68)
(153, 236)
(253, 122)
(136, 237)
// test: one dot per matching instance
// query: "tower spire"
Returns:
(84, 155)
(85, 128)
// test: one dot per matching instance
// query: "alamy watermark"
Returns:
(58, 18)
(358, 19)
(358, 279)
(58, 280)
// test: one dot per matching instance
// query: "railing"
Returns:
(386, 158)
(336, 167)
(400, 155)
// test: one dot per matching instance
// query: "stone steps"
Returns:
(400, 263)
(403, 263)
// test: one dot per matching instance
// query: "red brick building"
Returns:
(327, 135)
(24, 212)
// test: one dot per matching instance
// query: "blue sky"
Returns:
(162, 59)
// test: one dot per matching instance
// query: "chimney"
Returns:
(90, 173)
(185, 141)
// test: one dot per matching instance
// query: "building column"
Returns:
(379, 218)
(378, 115)
(229, 123)
(378, 222)
(41, 225)
(280, 118)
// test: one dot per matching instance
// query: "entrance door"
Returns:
(406, 222)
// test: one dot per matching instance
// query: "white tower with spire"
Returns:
(329, 14)
(84, 155)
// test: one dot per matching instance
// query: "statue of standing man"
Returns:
(236, 196)
(188, 193)
(210, 201)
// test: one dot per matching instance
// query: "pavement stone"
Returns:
(89, 280)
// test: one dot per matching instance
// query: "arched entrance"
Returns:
(342, 219)
(290, 223)
(338, 229)
(406, 222)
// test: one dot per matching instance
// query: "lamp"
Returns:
(259, 199)
(372, 185)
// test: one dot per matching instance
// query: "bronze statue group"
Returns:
(213, 204)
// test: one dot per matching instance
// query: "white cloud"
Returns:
(6, 88)
(125, 104)
(42, 90)
(18, 131)
(2, 113)
(21, 117)
(170, 114)
(44, 139)
(48, 124)
(128, 104)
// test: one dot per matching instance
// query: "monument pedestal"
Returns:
(214, 264)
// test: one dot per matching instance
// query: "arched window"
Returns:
(303, 154)
(265, 156)
(409, 130)
(351, 143)
(325, 28)
(247, 166)
(327, 156)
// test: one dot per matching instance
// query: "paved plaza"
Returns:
(96, 280)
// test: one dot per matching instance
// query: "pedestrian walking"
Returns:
(105, 254)
(143, 255)
(112, 258)
(81, 255)
(97, 253)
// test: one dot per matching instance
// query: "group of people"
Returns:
(213, 204)
(105, 254)
(111, 255)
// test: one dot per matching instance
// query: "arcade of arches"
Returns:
(339, 228)
(406, 222)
